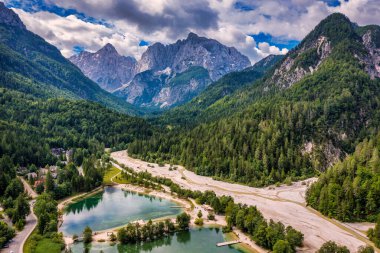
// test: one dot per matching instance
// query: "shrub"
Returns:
(198, 221)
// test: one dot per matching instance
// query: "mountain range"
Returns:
(30, 64)
(106, 67)
(166, 75)
(312, 112)
(302, 115)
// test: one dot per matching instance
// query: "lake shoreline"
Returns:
(189, 206)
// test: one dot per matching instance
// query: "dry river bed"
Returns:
(284, 203)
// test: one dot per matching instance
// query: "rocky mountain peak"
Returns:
(313, 50)
(217, 58)
(9, 17)
(192, 35)
(166, 75)
(108, 49)
(106, 67)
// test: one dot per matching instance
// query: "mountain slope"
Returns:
(195, 61)
(193, 51)
(204, 107)
(162, 89)
(41, 109)
(291, 129)
(106, 67)
(350, 190)
(26, 57)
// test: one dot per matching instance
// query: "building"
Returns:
(43, 171)
(38, 182)
(31, 175)
(57, 152)
(22, 171)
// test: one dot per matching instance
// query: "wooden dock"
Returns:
(221, 244)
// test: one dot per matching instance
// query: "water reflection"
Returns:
(112, 208)
(195, 240)
(88, 203)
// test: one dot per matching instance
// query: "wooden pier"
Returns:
(221, 244)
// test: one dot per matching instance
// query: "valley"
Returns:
(136, 128)
(286, 203)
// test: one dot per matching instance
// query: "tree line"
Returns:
(246, 218)
(350, 190)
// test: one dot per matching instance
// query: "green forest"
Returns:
(350, 190)
(264, 143)
(243, 128)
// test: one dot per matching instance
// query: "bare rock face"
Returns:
(10, 18)
(168, 75)
(194, 51)
(372, 59)
(294, 67)
(106, 67)
(165, 88)
(148, 82)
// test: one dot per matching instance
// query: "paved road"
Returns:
(17, 244)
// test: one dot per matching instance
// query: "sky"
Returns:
(256, 28)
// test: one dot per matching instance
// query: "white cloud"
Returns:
(291, 20)
(67, 32)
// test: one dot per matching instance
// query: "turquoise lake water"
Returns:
(194, 241)
(114, 207)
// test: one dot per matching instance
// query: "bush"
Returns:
(226, 229)
(332, 247)
(113, 237)
(20, 224)
(282, 246)
(87, 235)
(366, 249)
(198, 222)
(211, 216)
(183, 221)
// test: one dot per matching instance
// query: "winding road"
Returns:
(18, 242)
(286, 203)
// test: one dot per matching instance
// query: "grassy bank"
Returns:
(240, 246)
(38, 244)
(112, 173)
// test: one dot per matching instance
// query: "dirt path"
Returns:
(285, 203)
(28, 188)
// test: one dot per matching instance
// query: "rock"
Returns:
(163, 89)
(292, 68)
(194, 51)
(372, 59)
(10, 18)
(169, 75)
(106, 67)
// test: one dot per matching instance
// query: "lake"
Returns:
(114, 207)
(195, 240)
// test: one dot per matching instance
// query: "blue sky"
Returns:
(255, 27)
(275, 41)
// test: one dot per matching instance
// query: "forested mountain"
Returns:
(212, 103)
(350, 190)
(30, 64)
(42, 106)
(310, 110)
